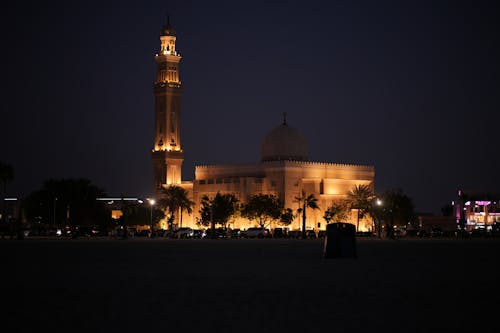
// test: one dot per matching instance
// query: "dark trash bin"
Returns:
(340, 241)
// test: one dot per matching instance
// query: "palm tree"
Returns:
(175, 198)
(185, 205)
(307, 201)
(336, 212)
(359, 198)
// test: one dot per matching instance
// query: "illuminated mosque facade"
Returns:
(284, 169)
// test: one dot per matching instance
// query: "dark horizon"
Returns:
(411, 88)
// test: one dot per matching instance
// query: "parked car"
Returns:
(184, 233)
(436, 232)
(462, 233)
(479, 232)
(295, 234)
(142, 233)
(219, 233)
(422, 233)
(169, 234)
(197, 233)
(369, 234)
(311, 234)
(84, 231)
(280, 233)
(257, 232)
(234, 233)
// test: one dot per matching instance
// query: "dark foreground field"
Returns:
(249, 286)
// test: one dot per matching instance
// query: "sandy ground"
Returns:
(160, 285)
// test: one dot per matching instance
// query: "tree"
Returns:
(68, 201)
(186, 205)
(286, 217)
(397, 210)
(217, 210)
(141, 214)
(175, 198)
(359, 198)
(336, 212)
(129, 210)
(263, 208)
(306, 201)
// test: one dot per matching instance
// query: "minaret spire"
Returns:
(167, 150)
(167, 28)
(168, 21)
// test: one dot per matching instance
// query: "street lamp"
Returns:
(379, 204)
(152, 203)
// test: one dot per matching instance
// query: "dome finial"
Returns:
(284, 118)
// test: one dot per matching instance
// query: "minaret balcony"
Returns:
(167, 85)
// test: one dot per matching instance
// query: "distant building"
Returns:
(115, 205)
(481, 213)
(476, 211)
(10, 210)
(284, 169)
(10, 214)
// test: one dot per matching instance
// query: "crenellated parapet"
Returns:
(324, 164)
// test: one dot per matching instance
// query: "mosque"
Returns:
(284, 170)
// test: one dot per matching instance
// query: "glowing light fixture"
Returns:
(152, 203)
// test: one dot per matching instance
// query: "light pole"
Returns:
(379, 204)
(151, 203)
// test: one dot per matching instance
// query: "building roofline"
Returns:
(290, 162)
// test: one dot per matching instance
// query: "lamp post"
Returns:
(151, 203)
(379, 204)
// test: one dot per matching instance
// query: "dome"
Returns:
(284, 143)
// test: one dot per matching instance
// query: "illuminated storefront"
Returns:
(481, 214)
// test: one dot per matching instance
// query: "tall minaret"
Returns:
(167, 152)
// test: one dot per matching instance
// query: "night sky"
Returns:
(411, 87)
